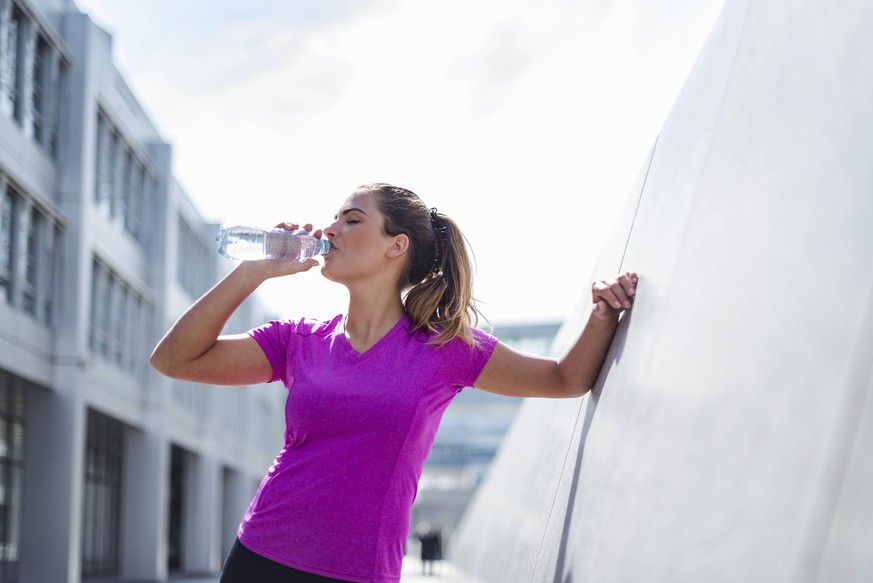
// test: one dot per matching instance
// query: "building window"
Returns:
(12, 61)
(119, 320)
(123, 183)
(51, 238)
(39, 83)
(32, 257)
(32, 97)
(99, 329)
(101, 499)
(136, 183)
(29, 239)
(194, 257)
(123, 200)
(175, 542)
(8, 240)
(135, 342)
(58, 85)
(102, 184)
(107, 203)
(11, 474)
(120, 299)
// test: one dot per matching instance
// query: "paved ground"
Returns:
(412, 573)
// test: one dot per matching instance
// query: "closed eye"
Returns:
(349, 212)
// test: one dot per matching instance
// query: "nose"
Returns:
(329, 231)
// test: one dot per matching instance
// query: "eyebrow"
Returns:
(349, 210)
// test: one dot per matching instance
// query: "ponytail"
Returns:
(438, 278)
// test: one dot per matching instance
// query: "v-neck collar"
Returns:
(398, 326)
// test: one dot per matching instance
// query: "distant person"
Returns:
(366, 389)
(431, 546)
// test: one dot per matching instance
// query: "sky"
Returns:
(526, 121)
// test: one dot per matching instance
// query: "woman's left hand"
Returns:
(614, 295)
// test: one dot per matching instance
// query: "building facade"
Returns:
(107, 469)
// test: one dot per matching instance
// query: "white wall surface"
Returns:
(727, 437)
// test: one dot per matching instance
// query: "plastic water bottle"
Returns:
(252, 243)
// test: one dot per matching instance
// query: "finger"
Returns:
(621, 293)
(608, 294)
(620, 290)
(287, 226)
(317, 234)
(627, 284)
(295, 267)
(622, 297)
(307, 227)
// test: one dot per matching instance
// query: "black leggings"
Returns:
(245, 566)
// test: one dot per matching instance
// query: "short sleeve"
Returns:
(464, 361)
(280, 340)
(273, 338)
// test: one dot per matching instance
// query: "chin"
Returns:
(325, 272)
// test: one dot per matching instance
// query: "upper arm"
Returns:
(516, 374)
(233, 360)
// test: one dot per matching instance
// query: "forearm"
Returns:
(197, 330)
(512, 373)
(516, 374)
(581, 365)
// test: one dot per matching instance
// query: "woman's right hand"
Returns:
(269, 268)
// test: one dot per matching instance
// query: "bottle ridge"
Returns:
(253, 243)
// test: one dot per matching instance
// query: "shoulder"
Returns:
(310, 326)
(483, 338)
(481, 346)
(479, 341)
(464, 360)
(284, 330)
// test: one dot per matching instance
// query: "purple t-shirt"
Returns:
(337, 499)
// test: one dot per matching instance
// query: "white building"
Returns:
(107, 469)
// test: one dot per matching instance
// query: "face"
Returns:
(361, 247)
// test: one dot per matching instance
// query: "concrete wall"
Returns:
(727, 437)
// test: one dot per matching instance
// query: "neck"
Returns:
(371, 317)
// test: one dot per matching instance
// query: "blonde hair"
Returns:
(438, 276)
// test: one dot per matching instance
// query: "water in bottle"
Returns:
(252, 243)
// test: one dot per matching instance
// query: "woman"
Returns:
(366, 390)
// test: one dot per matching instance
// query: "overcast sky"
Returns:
(525, 120)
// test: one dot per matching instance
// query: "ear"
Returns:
(399, 246)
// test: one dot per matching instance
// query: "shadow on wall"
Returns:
(612, 360)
